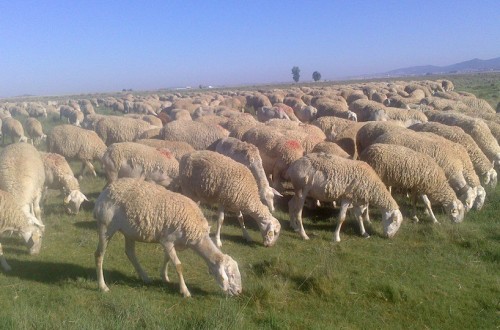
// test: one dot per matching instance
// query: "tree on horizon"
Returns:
(316, 76)
(296, 73)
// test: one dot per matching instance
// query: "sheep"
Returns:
(22, 174)
(306, 113)
(13, 128)
(327, 177)
(372, 130)
(401, 167)
(35, 131)
(13, 220)
(112, 129)
(483, 167)
(448, 160)
(170, 219)
(132, 160)
(36, 110)
(332, 126)
(199, 135)
(77, 143)
(331, 148)
(213, 178)
(178, 148)
(59, 176)
(248, 155)
(265, 113)
(476, 128)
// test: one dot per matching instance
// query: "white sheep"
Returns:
(35, 131)
(13, 128)
(13, 220)
(146, 212)
(134, 160)
(248, 155)
(199, 135)
(327, 177)
(213, 178)
(401, 167)
(178, 148)
(22, 174)
(59, 176)
(112, 129)
(76, 143)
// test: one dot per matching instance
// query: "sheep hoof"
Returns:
(104, 289)
(415, 218)
(366, 235)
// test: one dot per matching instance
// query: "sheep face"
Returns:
(271, 232)
(468, 198)
(391, 220)
(490, 178)
(73, 201)
(33, 239)
(455, 211)
(228, 276)
(481, 196)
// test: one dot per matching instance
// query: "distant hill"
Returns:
(475, 65)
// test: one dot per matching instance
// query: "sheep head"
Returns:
(468, 198)
(227, 274)
(270, 231)
(73, 201)
(33, 238)
(480, 197)
(455, 210)
(391, 220)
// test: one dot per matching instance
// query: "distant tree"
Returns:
(296, 73)
(316, 76)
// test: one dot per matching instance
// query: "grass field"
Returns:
(429, 276)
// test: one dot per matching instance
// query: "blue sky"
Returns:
(69, 47)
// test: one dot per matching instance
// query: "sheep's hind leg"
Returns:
(343, 210)
(99, 256)
(427, 203)
(295, 206)
(130, 252)
(170, 251)
(3, 262)
(164, 269)
(359, 210)
(243, 228)
(220, 221)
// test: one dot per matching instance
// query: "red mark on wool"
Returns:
(294, 144)
(165, 152)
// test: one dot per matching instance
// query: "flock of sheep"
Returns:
(351, 145)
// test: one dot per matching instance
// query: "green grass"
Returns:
(428, 276)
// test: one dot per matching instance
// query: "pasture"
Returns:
(443, 276)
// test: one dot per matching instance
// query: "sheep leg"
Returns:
(170, 250)
(99, 257)
(359, 210)
(164, 270)
(343, 210)
(295, 206)
(3, 262)
(414, 202)
(220, 221)
(427, 203)
(243, 228)
(36, 206)
(89, 165)
(130, 252)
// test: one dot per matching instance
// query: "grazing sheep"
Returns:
(401, 167)
(331, 148)
(327, 177)
(199, 135)
(77, 143)
(483, 167)
(35, 131)
(170, 219)
(59, 176)
(22, 174)
(178, 148)
(446, 158)
(266, 113)
(213, 178)
(248, 155)
(36, 110)
(112, 129)
(13, 220)
(134, 160)
(13, 128)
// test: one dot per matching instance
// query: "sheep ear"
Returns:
(276, 193)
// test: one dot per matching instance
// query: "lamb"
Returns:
(22, 175)
(476, 128)
(13, 220)
(483, 167)
(327, 177)
(451, 164)
(401, 167)
(77, 143)
(13, 128)
(35, 131)
(199, 135)
(112, 129)
(213, 178)
(248, 155)
(133, 160)
(59, 176)
(178, 148)
(170, 219)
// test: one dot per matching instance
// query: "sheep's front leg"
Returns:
(89, 165)
(358, 213)
(414, 202)
(427, 203)
(220, 221)
(36, 206)
(295, 206)
(164, 269)
(243, 228)
(3, 262)
(343, 210)
(130, 252)
(99, 257)
(170, 250)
